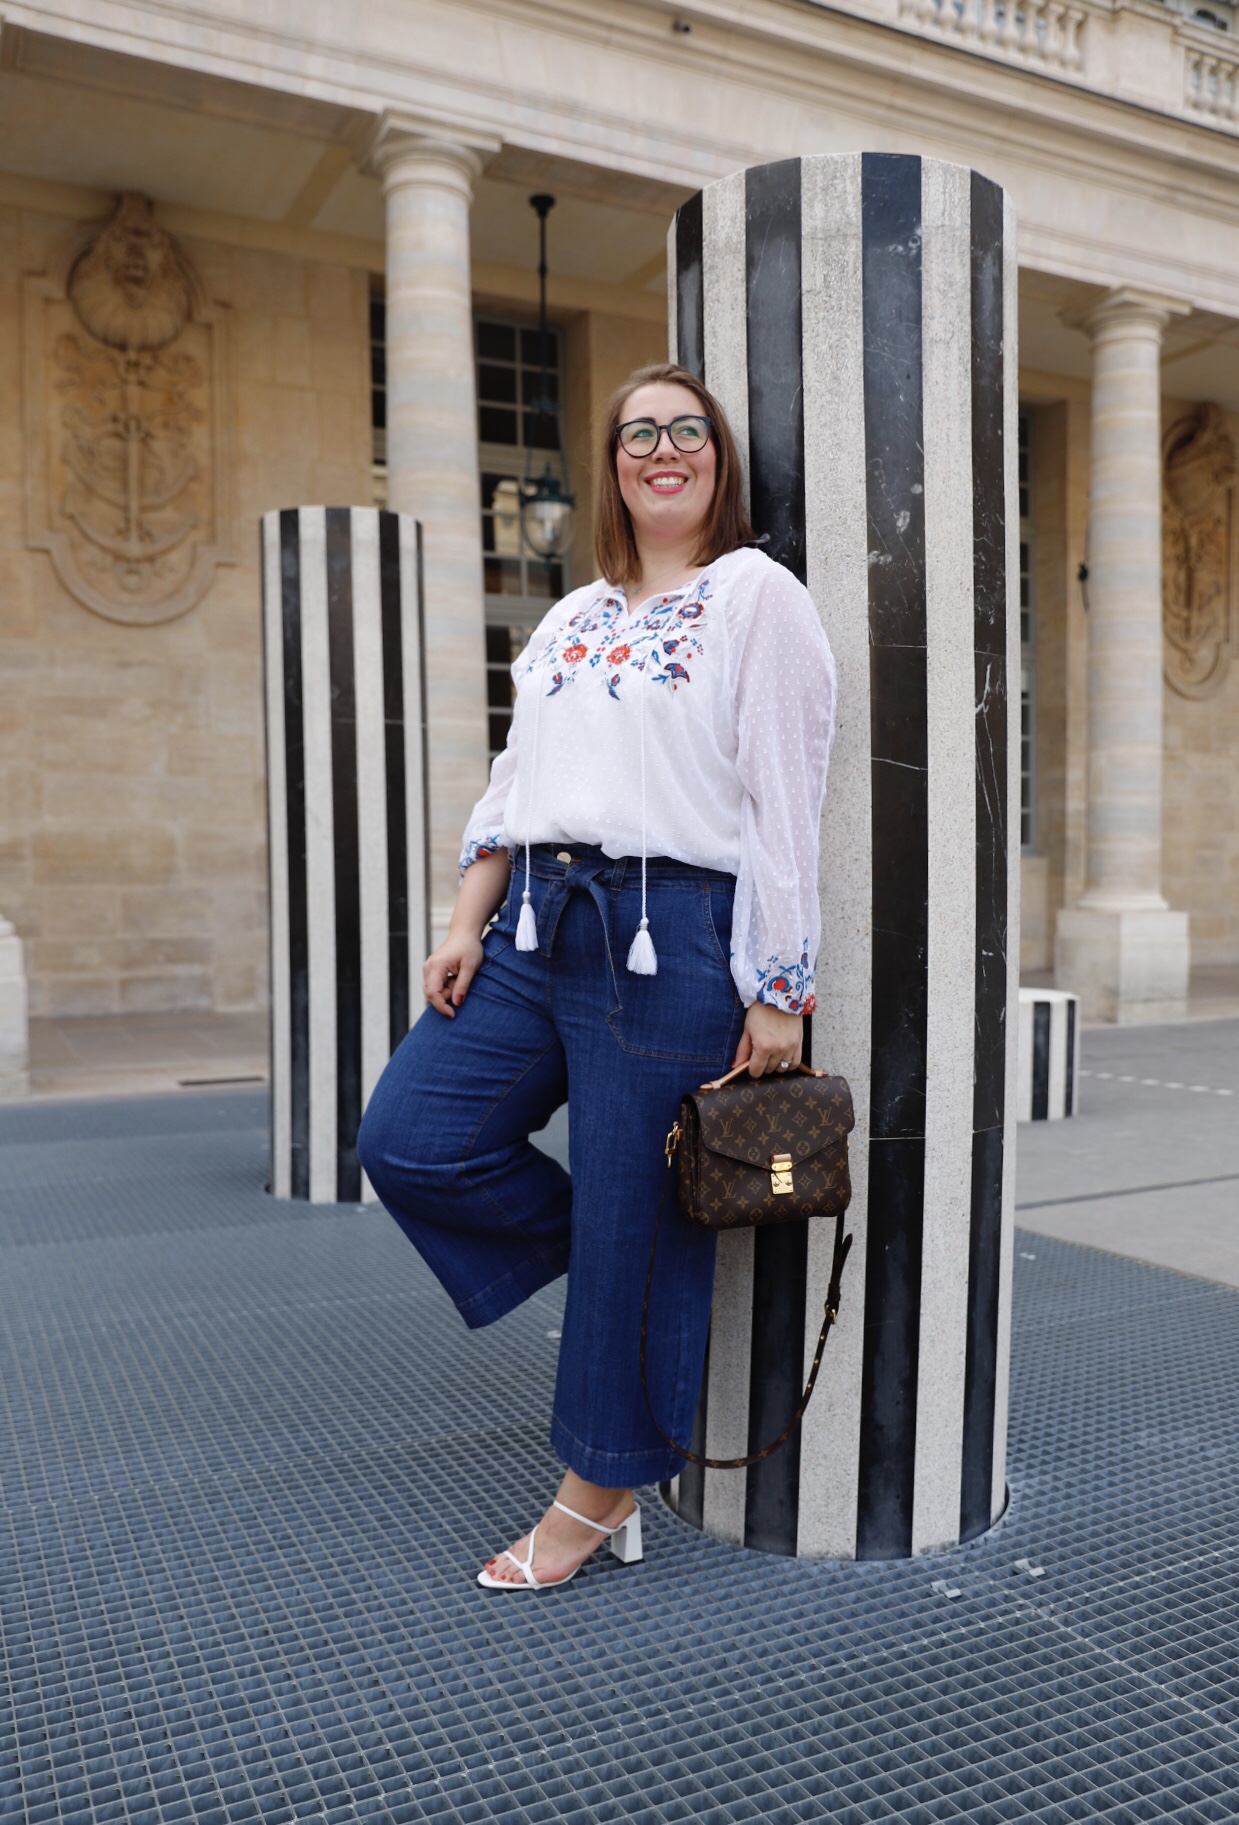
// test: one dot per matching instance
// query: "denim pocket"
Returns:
(689, 1011)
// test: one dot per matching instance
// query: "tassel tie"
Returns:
(527, 924)
(642, 957)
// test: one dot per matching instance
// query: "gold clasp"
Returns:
(672, 1142)
(781, 1173)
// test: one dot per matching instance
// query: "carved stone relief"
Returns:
(127, 420)
(1200, 571)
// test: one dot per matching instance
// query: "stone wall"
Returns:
(1200, 825)
(1201, 779)
(132, 841)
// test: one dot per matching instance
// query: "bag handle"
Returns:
(833, 1295)
(718, 1082)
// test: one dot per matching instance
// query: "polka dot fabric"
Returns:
(730, 685)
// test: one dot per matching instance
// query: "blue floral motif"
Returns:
(788, 986)
(480, 846)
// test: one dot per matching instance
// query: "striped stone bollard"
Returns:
(346, 806)
(1049, 1055)
(856, 316)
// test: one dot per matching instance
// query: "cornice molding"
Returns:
(779, 34)
(1126, 306)
(401, 137)
(970, 107)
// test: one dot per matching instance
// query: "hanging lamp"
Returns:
(548, 509)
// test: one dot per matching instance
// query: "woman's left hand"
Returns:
(770, 1040)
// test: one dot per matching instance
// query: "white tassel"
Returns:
(526, 926)
(642, 957)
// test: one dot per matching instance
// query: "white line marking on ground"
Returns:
(1159, 1083)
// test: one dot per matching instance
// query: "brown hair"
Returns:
(726, 524)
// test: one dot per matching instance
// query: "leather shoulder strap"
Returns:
(834, 1293)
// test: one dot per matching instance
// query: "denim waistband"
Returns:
(547, 863)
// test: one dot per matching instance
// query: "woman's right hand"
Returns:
(447, 972)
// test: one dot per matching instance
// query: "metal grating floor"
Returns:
(251, 1460)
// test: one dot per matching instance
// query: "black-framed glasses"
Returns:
(641, 436)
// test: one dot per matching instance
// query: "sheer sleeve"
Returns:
(784, 696)
(484, 833)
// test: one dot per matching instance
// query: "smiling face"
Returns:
(667, 492)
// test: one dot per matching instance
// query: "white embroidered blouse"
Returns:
(726, 689)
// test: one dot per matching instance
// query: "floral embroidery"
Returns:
(788, 986)
(665, 637)
(480, 846)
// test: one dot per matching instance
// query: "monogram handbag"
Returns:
(762, 1150)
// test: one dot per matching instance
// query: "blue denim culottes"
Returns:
(446, 1140)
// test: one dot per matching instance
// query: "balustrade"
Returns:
(1045, 32)
(1211, 85)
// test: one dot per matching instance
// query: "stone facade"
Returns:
(134, 836)
(294, 173)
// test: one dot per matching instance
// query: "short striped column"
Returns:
(856, 315)
(346, 808)
(1049, 1055)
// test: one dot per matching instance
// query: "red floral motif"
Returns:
(619, 655)
(574, 654)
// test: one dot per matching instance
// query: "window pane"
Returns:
(545, 580)
(1026, 835)
(540, 432)
(503, 576)
(496, 426)
(531, 350)
(507, 519)
(532, 390)
(496, 383)
(518, 440)
(496, 341)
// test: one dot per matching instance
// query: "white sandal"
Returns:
(625, 1542)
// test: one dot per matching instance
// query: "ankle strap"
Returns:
(585, 1520)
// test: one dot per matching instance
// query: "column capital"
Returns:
(412, 140)
(1127, 307)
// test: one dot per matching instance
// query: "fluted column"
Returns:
(1121, 948)
(432, 454)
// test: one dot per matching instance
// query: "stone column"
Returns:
(432, 454)
(1120, 948)
(346, 827)
(14, 1026)
(855, 315)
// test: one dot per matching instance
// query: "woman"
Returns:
(649, 844)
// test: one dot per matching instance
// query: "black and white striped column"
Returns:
(346, 773)
(856, 316)
(1048, 1071)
